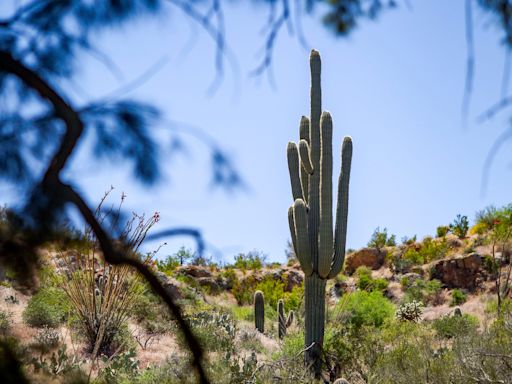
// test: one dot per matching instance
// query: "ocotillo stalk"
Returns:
(259, 311)
(282, 319)
(320, 251)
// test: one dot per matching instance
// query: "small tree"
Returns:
(460, 226)
(380, 239)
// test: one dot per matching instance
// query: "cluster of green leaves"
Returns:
(171, 262)
(363, 308)
(442, 230)
(458, 297)
(5, 321)
(273, 290)
(427, 292)
(460, 226)
(253, 261)
(429, 250)
(452, 325)
(381, 239)
(366, 282)
(48, 307)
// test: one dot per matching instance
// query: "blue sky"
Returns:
(395, 86)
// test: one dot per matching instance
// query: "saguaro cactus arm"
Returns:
(303, 251)
(293, 167)
(340, 236)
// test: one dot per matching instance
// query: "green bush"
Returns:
(458, 297)
(453, 326)
(442, 230)
(253, 260)
(367, 282)
(380, 239)
(5, 321)
(367, 308)
(49, 307)
(460, 226)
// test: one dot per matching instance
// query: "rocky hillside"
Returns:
(438, 297)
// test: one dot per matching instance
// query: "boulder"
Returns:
(194, 271)
(370, 257)
(292, 278)
(170, 285)
(462, 271)
(210, 283)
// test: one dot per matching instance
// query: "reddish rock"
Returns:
(370, 257)
(458, 272)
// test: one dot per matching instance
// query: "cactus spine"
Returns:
(259, 311)
(320, 251)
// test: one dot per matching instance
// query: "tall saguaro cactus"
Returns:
(320, 251)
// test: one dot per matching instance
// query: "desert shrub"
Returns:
(433, 292)
(119, 367)
(215, 330)
(293, 299)
(229, 277)
(491, 265)
(168, 265)
(428, 250)
(460, 226)
(292, 345)
(243, 290)
(245, 313)
(411, 311)
(413, 256)
(366, 308)
(432, 250)
(46, 339)
(5, 321)
(398, 262)
(478, 229)
(61, 364)
(423, 291)
(365, 281)
(452, 326)
(253, 260)
(410, 356)
(458, 297)
(380, 239)
(408, 240)
(442, 230)
(272, 289)
(48, 307)
(488, 216)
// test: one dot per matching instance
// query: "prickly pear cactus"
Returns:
(259, 311)
(320, 250)
(282, 319)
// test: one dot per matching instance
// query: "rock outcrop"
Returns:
(459, 272)
(369, 257)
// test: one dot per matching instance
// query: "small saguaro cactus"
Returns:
(282, 319)
(320, 251)
(259, 311)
